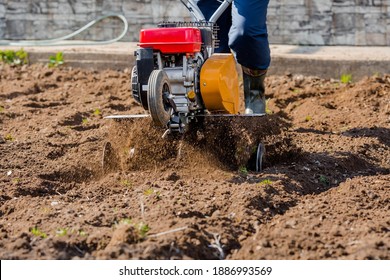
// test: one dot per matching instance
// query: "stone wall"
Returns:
(42, 19)
(303, 22)
(326, 22)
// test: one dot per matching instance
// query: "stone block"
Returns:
(343, 22)
(375, 39)
(15, 29)
(343, 39)
(2, 11)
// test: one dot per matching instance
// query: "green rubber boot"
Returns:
(254, 91)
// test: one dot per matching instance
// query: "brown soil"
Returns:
(324, 192)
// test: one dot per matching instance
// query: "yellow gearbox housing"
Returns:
(219, 84)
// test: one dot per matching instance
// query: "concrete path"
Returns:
(325, 62)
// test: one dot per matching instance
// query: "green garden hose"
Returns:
(61, 40)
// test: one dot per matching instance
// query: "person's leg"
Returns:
(248, 39)
(208, 7)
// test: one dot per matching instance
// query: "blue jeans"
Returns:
(243, 30)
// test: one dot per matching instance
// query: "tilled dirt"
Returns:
(324, 192)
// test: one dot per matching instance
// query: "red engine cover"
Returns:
(172, 39)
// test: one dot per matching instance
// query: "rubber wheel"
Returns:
(255, 162)
(158, 91)
(259, 157)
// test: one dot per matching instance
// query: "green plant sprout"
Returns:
(1, 109)
(82, 233)
(148, 192)
(265, 182)
(11, 57)
(143, 230)
(243, 170)
(84, 121)
(61, 232)
(324, 180)
(9, 137)
(126, 183)
(295, 90)
(97, 112)
(56, 60)
(37, 232)
(346, 78)
(308, 118)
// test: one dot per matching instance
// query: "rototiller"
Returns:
(179, 79)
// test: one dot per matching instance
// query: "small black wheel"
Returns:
(159, 91)
(255, 162)
(259, 157)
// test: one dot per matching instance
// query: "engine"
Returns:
(178, 53)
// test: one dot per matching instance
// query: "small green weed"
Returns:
(308, 118)
(265, 182)
(346, 78)
(1, 109)
(148, 192)
(143, 230)
(61, 232)
(153, 193)
(126, 183)
(324, 180)
(56, 60)
(296, 90)
(84, 121)
(9, 137)
(82, 233)
(243, 170)
(97, 112)
(12, 57)
(37, 232)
